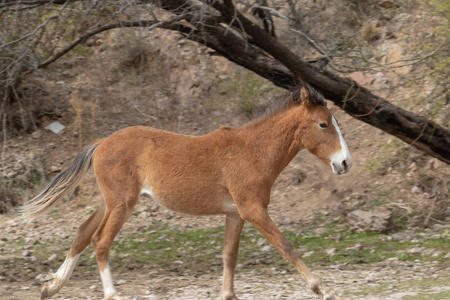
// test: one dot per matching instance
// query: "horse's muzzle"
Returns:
(342, 167)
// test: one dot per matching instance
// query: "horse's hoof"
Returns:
(229, 297)
(233, 297)
(48, 290)
(44, 292)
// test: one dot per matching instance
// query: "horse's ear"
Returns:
(304, 96)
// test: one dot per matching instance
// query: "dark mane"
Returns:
(292, 98)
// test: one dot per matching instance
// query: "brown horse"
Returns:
(228, 171)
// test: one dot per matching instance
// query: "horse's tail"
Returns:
(62, 185)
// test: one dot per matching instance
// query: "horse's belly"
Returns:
(193, 202)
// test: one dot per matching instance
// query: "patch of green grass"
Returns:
(199, 250)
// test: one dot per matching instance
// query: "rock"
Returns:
(357, 247)
(11, 174)
(413, 167)
(436, 253)
(435, 236)
(372, 277)
(401, 237)
(55, 169)
(120, 282)
(320, 230)
(308, 254)
(416, 190)
(377, 220)
(143, 215)
(433, 164)
(266, 248)
(427, 252)
(26, 253)
(53, 257)
(36, 135)
(362, 78)
(44, 277)
(438, 227)
(261, 242)
(447, 256)
(93, 287)
(415, 250)
(55, 127)
(331, 252)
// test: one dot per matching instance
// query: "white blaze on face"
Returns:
(337, 159)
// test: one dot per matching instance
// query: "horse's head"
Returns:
(321, 135)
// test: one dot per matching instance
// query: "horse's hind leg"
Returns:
(82, 240)
(233, 229)
(115, 216)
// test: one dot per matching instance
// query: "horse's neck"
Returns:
(276, 139)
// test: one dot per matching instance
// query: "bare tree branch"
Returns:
(142, 23)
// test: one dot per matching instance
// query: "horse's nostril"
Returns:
(345, 164)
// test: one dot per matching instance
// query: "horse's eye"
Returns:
(323, 125)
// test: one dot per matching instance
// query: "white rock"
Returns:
(120, 282)
(55, 169)
(357, 247)
(53, 257)
(308, 254)
(331, 252)
(55, 127)
(44, 277)
(372, 277)
(415, 190)
(266, 248)
(415, 250)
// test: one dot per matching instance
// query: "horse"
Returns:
(229, 171)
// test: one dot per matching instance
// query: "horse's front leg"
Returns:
(256, 213)
(233, 229)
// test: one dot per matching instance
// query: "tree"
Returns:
(223, 27)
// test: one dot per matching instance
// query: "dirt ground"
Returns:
(22, 275)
